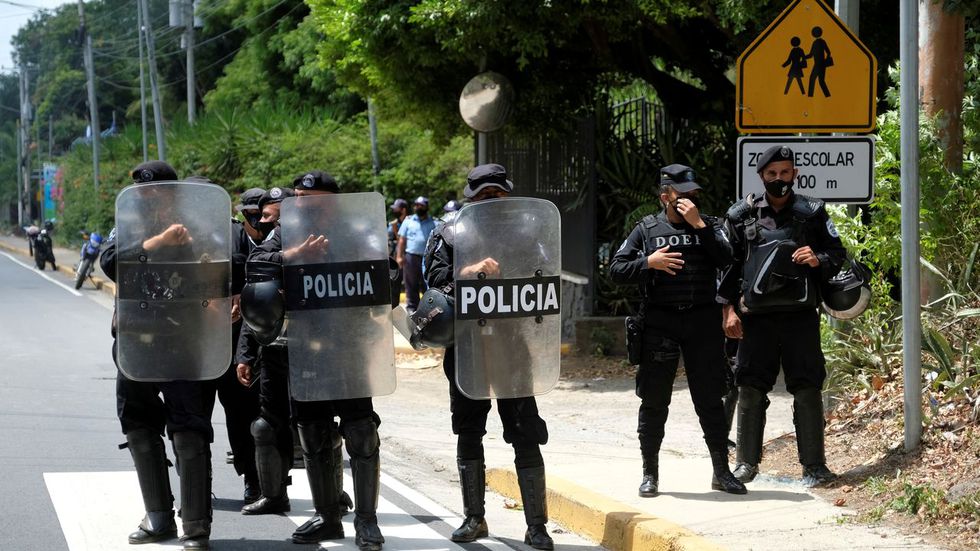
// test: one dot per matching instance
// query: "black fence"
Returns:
(562, 170)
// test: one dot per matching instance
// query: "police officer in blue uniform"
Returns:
(785, 246)
(675, 256)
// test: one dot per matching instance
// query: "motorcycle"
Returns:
(44, 248)
(86, 263)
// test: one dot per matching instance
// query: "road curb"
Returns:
(614, 525)
(103, 285)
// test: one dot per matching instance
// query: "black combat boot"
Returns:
(273, 472)
(363, 447)
(150, 459)
(534, 495)
(809, 421)
(473, 481)
(318, 456)
(346, 504)
(194, 467)
(722, 478)
(752, 404)
(649, 487)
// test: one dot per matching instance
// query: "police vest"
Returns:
(771, 281)
(696, 282)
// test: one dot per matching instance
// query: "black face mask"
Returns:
(253, 219)
(422, 211)
(778, 188)
(695, 200)
(265, 228)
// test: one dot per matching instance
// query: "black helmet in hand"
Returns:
(848, 294)
(434, 320)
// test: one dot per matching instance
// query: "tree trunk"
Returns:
(941, 43)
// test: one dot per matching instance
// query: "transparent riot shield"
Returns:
(338, 296)
(507, 265)
(173, 277)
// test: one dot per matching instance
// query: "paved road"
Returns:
(66, 486)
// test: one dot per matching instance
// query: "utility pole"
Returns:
(50, 137)
(20, 180)
(24, 137)
(157, 110)
(373, 130)
(139, 26)
(189, 39)
(93, 106)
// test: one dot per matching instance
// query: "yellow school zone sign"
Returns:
(806, 73)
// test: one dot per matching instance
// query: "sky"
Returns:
(12, 18)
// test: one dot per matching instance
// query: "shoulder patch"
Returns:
(649, 220)
(831, 229)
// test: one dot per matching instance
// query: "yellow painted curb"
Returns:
(614, 525)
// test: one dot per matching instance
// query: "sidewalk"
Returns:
(594, 468)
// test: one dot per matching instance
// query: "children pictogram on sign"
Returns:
(820, 54)
(796, 62)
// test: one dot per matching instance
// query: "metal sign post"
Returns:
(911, 310)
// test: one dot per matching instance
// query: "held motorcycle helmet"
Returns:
(847, 294)
(262, 302)
(434, 320)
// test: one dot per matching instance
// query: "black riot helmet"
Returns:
(434, 320)
(847, 294)
(262, 302)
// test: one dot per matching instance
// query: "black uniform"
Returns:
(241, 403)
(320, 439)
(681, 315)
(777, 301)
(185, 411)
(524, 428)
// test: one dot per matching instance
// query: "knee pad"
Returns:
(362, 437)
(189, 444)
(263, 432)
(315, 437)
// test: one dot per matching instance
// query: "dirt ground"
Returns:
(933, 492)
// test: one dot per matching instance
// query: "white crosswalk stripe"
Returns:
(97, 510)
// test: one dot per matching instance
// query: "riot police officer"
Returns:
(675, 256)
(318, 432)
(184, 410)
(523, 426)
(785, 246)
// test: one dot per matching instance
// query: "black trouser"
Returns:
(279, 409)
(523, 426)
(697, 333)
(274, 403)
(790, 339)
(184, 405)
(413, 280)
(241, 404)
